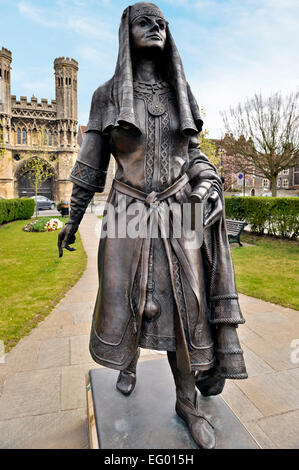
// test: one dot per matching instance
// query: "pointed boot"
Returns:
(126, 380)
(199, 427)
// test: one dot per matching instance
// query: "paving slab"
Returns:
(254, 364)
(24, 355)
(81, 311)
(75, 330)
(73, 381)
(275, 353)
(58, 319)
(80, 350)
(63, 430)
(283, 429)
(259, 435)
(44, 332)
(270, 393)
(54, 352)
(31, 393)
(239, 402)
(5, 372)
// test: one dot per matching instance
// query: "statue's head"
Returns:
(147, 27)
(144, 32)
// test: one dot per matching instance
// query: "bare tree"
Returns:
(262, 135)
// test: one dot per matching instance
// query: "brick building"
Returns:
(287, 181)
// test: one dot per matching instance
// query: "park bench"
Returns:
(234, 230)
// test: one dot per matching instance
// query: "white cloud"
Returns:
(40, 87)
(97, 29)
(35, 14)
(100, 59)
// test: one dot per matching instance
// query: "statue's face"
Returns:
(148, 32)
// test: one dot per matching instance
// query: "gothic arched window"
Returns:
(24, 136)
(50, 138)
(19, 135)
(45, 138)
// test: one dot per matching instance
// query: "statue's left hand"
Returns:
(205, 192)
(66, 237)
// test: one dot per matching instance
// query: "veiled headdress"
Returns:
(113, 103)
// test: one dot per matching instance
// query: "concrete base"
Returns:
(147, 419)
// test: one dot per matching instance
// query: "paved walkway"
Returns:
(42, 382)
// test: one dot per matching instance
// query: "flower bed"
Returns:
(44, 224)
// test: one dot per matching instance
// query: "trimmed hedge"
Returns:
(277, 216)
(14, 209)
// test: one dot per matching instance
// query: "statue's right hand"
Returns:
(67, 237)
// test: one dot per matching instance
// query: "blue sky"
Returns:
(230, 48)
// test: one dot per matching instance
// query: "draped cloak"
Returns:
(193, 289)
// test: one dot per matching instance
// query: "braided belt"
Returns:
(153, 197)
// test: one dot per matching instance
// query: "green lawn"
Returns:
(32, 278)
(269, 270)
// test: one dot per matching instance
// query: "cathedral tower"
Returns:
(66, 88)
(5, 101)
(5, 61)
(54, 123)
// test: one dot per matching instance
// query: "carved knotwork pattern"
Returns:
(166, 343)
(150, 153)
(179, 289)
(164, 157)
(150, 146)
(151, 136)
(144, 10)
(88, 175)
(201, 357)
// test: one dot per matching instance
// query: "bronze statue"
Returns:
(155, 292)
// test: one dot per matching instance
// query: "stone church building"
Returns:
(47, 130)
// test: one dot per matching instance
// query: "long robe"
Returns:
(157, 293)
(194, 289)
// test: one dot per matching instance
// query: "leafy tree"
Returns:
(209, 148)
(36, 166)
(262, 135)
